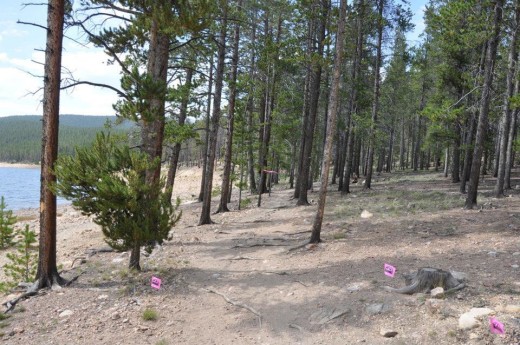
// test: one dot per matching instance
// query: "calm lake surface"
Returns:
(20, 188)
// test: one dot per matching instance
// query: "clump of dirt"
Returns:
(238, 281)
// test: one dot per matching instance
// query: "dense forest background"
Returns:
(20, 136)
(249, 84)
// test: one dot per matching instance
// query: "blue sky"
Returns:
(18, 51)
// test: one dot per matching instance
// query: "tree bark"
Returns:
(47, 273)
(506, 119)
(510, 143)
(205, 216)
(314, 94)
(183, 113)
(352, 105)
(331, 124)
(206, 136)
(377, 91)
(471, 199)
(226, 187)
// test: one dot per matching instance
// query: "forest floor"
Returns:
(238, 282)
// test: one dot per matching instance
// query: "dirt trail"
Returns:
(236, 282)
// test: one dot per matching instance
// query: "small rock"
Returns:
(18, 330)
(467, 321)
(353, 287)
(388, 333)
(216, 275)
(142, 328)
(434, 305)
(366, 214)
(115, 316)
(66, 312)
(102, 297)
(378, 308)
(515, 266)
(438, 292)
(516, 253)
(492, 253)
(410, 205)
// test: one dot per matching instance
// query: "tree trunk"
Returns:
(183, 113)
(377, 91)
(47, 273)
(314, 94)
(205, 216)
(510, 143)
(352, 105)
(506, 119)
(455, 161)
(471, 199)
(135, 257)
(331, 125)
(226, 188)
(206, 135)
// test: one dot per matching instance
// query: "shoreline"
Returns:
(19, 165)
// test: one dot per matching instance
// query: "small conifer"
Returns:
(7, 220)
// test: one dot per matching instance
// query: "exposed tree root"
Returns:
(92, 252)
(241, 258)
(259, 245)
(237, 304)
(298, 246)
(31, 291)
(426, 279)
(292, 325)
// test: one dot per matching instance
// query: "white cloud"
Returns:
(84, 64)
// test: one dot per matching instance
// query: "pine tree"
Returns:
(7, 220)
(105, 181)
(22, 268)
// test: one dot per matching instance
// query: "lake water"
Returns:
(20, 188)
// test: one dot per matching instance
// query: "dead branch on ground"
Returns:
(237, 304)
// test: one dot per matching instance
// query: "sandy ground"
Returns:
(238, 281)
(18, 165)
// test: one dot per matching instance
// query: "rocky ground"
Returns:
(238, 281)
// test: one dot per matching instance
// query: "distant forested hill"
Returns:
(20, 136)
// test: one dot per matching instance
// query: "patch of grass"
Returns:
(452, 333)
(150, 314)
(338, 235)
(215, 192)
(3, 324)
(245, 202)
(161, 342)
(4, 316)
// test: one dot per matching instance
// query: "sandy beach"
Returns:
(18, 165)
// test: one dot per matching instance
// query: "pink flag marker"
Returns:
(156, 283)
(495, 326)
(389, 270)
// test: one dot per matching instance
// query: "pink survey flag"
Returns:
(389, 270)
(495, 326)
(156, 283)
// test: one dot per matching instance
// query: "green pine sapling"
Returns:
(7, 220)
(23, 262)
